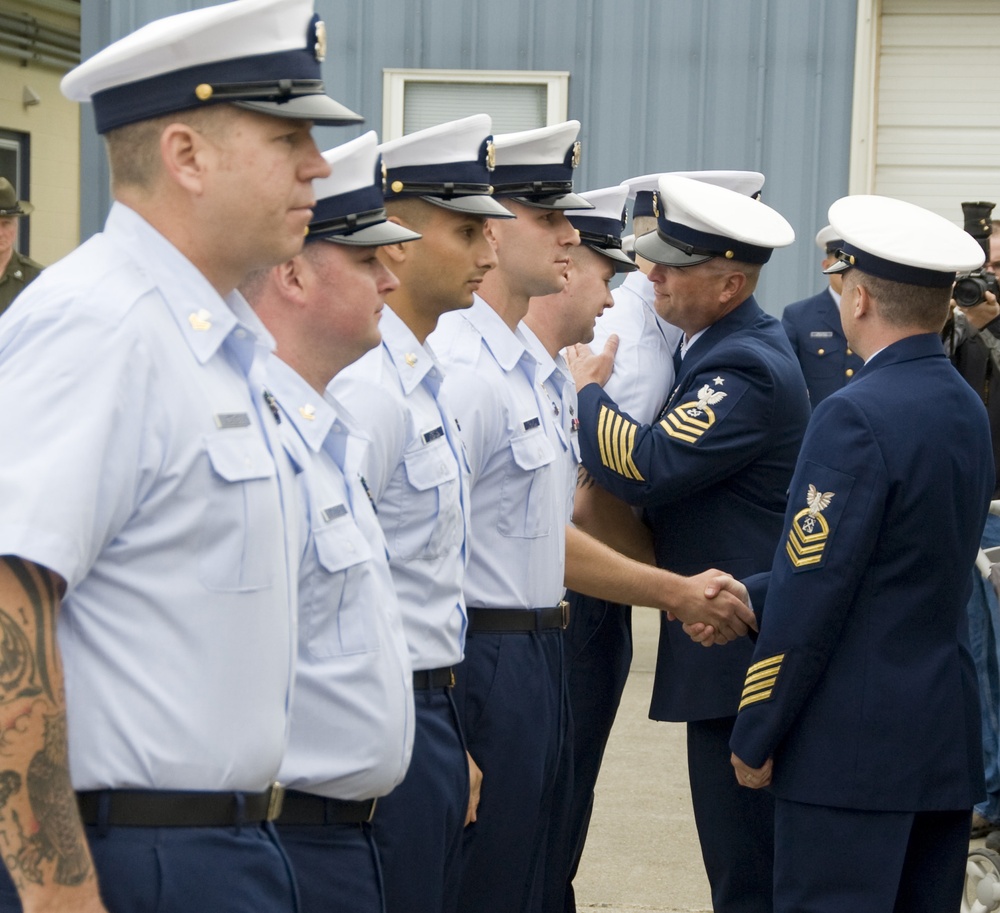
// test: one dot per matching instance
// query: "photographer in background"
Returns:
(972, 340)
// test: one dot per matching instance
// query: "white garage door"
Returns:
(936, 118)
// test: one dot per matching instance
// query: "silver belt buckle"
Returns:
(564, 610)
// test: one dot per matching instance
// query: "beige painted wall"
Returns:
(54, 126)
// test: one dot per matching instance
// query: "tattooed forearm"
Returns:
(41, 838)
(39, 593)
(584, 479)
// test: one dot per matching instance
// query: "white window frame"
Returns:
(394, 82)
(864, 115)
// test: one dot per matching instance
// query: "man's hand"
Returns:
(753, 777)
(589, 368)
(981, 314)
(475, 786)
(717, 601)
(704, 634)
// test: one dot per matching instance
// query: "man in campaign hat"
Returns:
(510, 689)
(149, 514)
(352, 712)
(437, 182)
(815, 332)
(16, 270)
(860, 710)
(711, 474)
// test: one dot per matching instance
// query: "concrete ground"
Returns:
(642, 853)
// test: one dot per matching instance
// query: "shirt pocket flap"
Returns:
(532, 450)
(238, 457)
(430, 467)
(341, 545)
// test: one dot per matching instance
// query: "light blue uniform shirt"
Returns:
(518, 543)
(352, 712)
(554, 377)
(137, 461)
(419, 477)
(644, 365)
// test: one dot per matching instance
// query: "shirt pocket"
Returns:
(242, 510)
(338, 616)
(430, 516)
(526, 505)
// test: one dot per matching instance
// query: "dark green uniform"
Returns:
(19, 272)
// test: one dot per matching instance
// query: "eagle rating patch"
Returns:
(819, 497)
(689, 421)
(809, 530)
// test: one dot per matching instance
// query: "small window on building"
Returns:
(15, 165)
(515, 99)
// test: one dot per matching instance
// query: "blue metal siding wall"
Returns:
(657, 84)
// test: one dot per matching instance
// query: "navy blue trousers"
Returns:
(185, 870)
(598, 645)
(510, 695)
(419, 825)
(840, 860)
(336, 867)
(735, 824)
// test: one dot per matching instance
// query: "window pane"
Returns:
(512, 107)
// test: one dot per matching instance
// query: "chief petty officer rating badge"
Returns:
(809, 531)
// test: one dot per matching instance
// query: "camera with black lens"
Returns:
(971, 288)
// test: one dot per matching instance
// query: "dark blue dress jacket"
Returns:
(712, 476)
(817, 338)
(862, 687)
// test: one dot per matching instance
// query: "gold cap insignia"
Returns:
(308, 412)
(577, 153)
(656, 204)
(200, 320)
(491, 155)
(321, 40)
(203, 91)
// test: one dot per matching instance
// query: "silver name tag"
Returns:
(232, 420)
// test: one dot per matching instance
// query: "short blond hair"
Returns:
(134, 149)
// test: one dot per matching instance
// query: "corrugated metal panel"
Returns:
(938, 131)
(657, 84)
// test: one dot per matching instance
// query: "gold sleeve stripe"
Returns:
(761, 685)
(615, 439)
(760, 675)
(754, 699)
(603, 435)
(630, 466)
(766, 663)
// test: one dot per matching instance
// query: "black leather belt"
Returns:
(429, 679)
(518, 621)
(177, 808)
(305, 808)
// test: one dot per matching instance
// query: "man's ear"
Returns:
(491, 235)
(392, 255)
(184, 153)
(734, 284)
(292, 278)
(864, 305)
